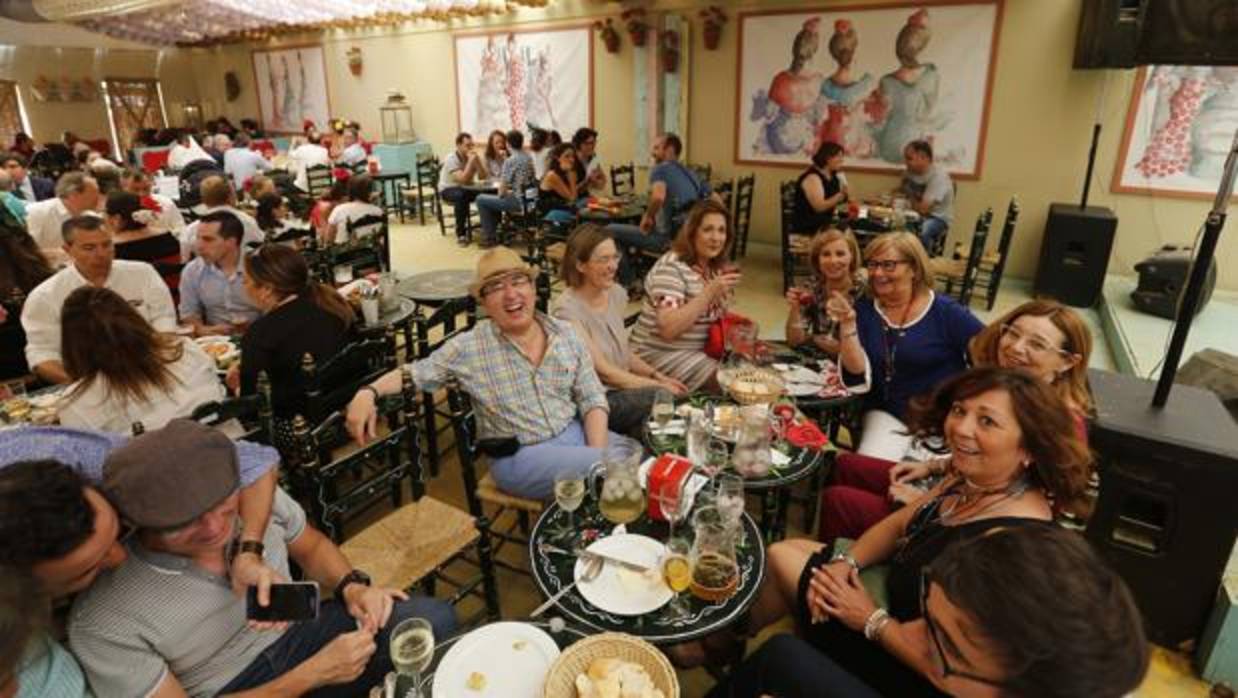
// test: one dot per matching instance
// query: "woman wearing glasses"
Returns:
(594, 304)
(1024, 612)
(1015, 461)
(1043, 337)
(900, 341)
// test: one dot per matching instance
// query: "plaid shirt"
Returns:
(511, 396)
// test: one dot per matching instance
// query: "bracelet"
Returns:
(372, 389)
(875, 624)
(848, 335)
(846, 557)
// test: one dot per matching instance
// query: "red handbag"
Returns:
(715, 342)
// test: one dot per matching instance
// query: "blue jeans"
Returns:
(530, 472)
(932, 231)
(460, 199)
(559, 215)
(628, 237)
(491, 207)
(787, 667)
(303, 640)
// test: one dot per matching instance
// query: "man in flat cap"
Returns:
(540, 406)
(166, 623)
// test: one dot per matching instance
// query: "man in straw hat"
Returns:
(540, 406)
(166, 623)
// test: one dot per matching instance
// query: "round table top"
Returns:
(552, 572)
(401, 312)
(436, 286)
(563, 636)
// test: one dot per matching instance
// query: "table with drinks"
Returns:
(618, 549)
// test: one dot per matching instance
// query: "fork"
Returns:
(592, 569)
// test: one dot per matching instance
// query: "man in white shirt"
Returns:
(241, 163)
(185, 151)
(76, 194)
(138, 182)
(353, 153)
(218, 195)
(89, 245)
(303, 155)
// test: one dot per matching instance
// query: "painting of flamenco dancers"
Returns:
(886, 76)
(292, 87)
(1179, 129)
(522, 79)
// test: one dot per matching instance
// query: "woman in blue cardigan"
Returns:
(900, 341)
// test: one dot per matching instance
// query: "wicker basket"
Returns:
(751, 385)
(561, 679)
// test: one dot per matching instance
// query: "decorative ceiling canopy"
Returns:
(204, 22)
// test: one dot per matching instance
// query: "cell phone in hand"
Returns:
(295, 601)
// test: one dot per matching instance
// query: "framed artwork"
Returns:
(507, 80)
(292, 87)
(1179, 129)
(869, 78)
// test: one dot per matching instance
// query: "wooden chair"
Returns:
(623, 180)
(366, 249)
(485, 492)
(703, 170)
(432, 328)
(251, 412)
(318, 180)
(741, 216)
(795, 262)
(424, 194)
(726, 192)
(993, 263)
(963, 272)
(330, 386)
(413, 543)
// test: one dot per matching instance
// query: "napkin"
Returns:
(696, 481)
(674, 427)
(806, 434)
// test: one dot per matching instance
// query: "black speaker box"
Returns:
(1108, 34)
(1162, 279)
(1165, 517)
(1074, 253)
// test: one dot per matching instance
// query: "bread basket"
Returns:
(751, 385)
(561, 679)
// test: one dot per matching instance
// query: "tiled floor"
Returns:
(422, 248)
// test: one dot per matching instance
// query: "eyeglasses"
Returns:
(1034, 344)
(515, 280)
(938, 647)
(603, 260)
(886, 265)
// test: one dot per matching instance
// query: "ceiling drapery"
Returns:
(199, 22)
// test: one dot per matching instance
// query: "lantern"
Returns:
(396, 118)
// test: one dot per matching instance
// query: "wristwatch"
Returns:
(845, 557)
(251, 546)
(353, 577)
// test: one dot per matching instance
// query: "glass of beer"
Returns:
(677, 573)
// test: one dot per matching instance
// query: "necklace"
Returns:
(892, 335)
(969, 494)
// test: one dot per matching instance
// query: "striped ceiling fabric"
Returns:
(203, 22)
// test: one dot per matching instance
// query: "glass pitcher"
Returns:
(752, 456)
(621, 499)
(715, 569)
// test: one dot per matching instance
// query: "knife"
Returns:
(635, 567)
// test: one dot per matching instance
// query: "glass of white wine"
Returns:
(569, 493)
(663, 411)
(677, 573)
(412, 648)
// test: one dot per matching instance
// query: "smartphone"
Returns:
(289, 602)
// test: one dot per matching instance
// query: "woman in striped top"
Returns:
(687, 290)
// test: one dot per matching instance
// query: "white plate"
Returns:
(801, 374)
(803, 389)
(513, 657)
(624, 592)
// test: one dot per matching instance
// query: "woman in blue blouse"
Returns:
(900, 341)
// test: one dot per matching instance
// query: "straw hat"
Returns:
(496, 262)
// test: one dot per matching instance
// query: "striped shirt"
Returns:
(511, 396)
(670, 284)
(160, 613)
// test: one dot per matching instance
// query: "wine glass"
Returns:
(717, 455)
(662, 411)
(412, 648)
(677, 573)
(673, 503)
(569, 493)
(729, 497)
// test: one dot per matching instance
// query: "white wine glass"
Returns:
(662, 412)
(569, 493)
(412, 648)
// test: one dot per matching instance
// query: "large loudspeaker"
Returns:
(1165, 518)
(1108, 34)
(1074, 253)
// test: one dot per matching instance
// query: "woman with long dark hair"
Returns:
(299, 316)
(136, 239)
(496, 154)
(556, 195)
(141, 375)
(22, 267)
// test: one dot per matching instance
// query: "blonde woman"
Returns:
(835, 259)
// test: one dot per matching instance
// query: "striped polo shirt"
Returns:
(158, 613)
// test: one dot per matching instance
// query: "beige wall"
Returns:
(1039, 123)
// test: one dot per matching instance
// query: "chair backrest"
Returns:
(318, 179)
(726, 192)
(623, 180)
(464, 429)
(337, 491)
(252, 412)
(703, 170)
(1003, 243)
(330, 385)
(428, 171)
(745, 188)
(366, 248)
(433, 329)
(974, 255)
(786, 198)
